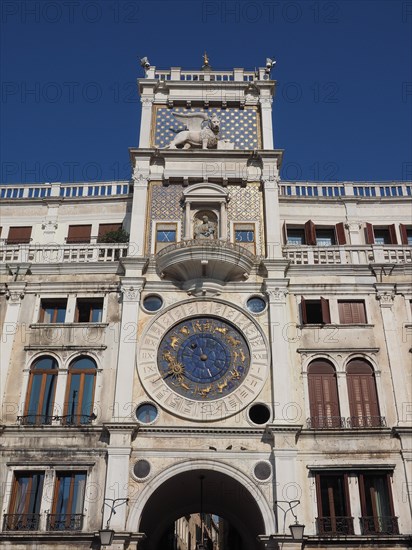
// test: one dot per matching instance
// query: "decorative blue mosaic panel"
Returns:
(240, 126)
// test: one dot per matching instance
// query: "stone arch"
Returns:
(239, 493)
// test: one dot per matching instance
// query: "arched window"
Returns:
(80, 391)
(41, 390)
(323, 395)
(363, 398)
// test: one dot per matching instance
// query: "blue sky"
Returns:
(70, 111)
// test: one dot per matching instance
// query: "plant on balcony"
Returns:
(118, 236)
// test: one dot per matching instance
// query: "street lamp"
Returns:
(296, 529)
(106, 534)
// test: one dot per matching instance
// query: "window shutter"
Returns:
(404, 233)
(325, 310)
(79, 234)
(392, 234)
(363, 398)
(323, 398)
(303, 309)
(370, 237)
(310, 233)
(19, 235)
(105, 228)
(345, 313)
(358, 312)
(285, 233)
(340, 233)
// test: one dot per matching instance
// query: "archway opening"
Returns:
(212, 493)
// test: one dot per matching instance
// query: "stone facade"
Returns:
(245, 371)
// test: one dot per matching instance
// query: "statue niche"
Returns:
(205, 226)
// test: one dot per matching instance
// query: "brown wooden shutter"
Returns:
(345, 313)
(105, 228)
(352, 312)
(370, 236)
(340, 233)
(303, 309)
(392, 234)
(363, 398)
(285, 233)
(404, 233)
(79, 234)
(358, 312)
(310, 233)
(19, 235)
(324, 304)
(323, 395)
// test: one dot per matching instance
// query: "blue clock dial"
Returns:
(203, 358)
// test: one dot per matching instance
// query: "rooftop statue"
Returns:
(201, 131)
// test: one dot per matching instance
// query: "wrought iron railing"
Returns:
(76, 419)
(64, 522)
(327, 422)
(21, 522)
(65, 420)
(379, 525)
(335, 526)
(366, 422)
(35, 419)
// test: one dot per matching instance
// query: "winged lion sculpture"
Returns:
(201, 131)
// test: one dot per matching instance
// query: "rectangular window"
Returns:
(67, 509)
(89, 310)
(166, 234)
(19, 235)
(313, 235)
(105, 228)
(380, 235)
(325, 236)
(53, 310)
(24, 509)
(406, 234)
(352, 312)
(295, 236)
(333, 505)
(79, 234)
(315, 312)
(377, 504)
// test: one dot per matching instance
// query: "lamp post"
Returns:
(106, 534)
(296, 529)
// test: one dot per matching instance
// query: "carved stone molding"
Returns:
(15, 292)
(386, 298)
(353, 227)
(49, 226)
(271, 182)
(266, 102)
(146, 101)
(130, 293)
(277, 295)
(139, 179)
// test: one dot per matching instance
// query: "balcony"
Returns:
(62, 253)
(65, 420)
(348, 255)
(21, 522)
(212, 259)
(339, 422)
(64, 522)
(35, 420)
(336, 526)
(379, 525)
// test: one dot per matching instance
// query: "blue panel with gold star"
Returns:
(239, 126)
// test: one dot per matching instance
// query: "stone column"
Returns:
(272, 217)
(117, 476)
(266, 116)
(385, 293)
(188, 233)
(138, 220)
(14, 295)
(354, 230)
(131, 288)
(281, 372)
(223, 221)
(146, 121)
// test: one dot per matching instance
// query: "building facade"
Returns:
(206, 338)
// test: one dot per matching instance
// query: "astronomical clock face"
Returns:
(203, 360)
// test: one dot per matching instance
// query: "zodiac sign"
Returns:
(167, 356)
(184, 330)
(222, 330)
(235, 374)
(184, 386)
(174, 342)
(205, 391)
(235, 355)
(232, 340)
(242, 356)
(222, 386)
(197, 326)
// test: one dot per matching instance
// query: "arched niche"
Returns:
(205, 196)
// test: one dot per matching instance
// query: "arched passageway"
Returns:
(222, 495)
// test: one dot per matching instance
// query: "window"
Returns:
(315, 312)
(313, 235)
(245, 235)
(380, 235)
(53, 310)
(363, 398)
(40, 392)
(377, 505)
(333, 504)
(166, 233)
(105, 228)
(89, 310)
(79, 234)
(67, 509)
(19, 235)
(80, 391)
(406, 234)
(351, 312)
(323, 396)
(24, 509)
